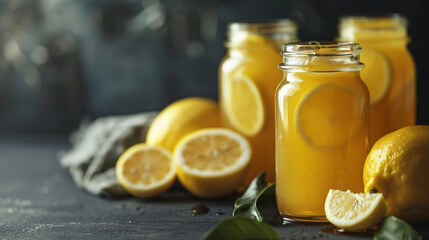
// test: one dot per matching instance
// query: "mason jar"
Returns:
(389, 73)
(248, 77)
(322, 108)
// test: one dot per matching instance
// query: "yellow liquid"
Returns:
(321, 140)
(397, 108)
(257, 58)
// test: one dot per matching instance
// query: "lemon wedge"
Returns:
(326, 116)
(244, 105)
(354, 212)
(376, 74)
(212, 162)
(145, 171)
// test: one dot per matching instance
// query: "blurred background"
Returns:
(63, 61)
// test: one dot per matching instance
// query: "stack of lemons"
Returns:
(185, 140)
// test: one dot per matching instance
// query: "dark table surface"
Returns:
(39, 200)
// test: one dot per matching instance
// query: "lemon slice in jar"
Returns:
(328, 115)
(376, 74)
(244, 105)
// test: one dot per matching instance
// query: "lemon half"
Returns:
(145, 171)
(212, 162)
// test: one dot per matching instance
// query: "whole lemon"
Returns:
(180, 118)
(398, 167)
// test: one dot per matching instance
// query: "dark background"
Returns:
(64, 61)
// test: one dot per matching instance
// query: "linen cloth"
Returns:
(97, 146)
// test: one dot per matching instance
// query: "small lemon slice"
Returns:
(212, 162)
(328, 115)
(244, 105)
(145, 171)
(354, 212)
(376, 74)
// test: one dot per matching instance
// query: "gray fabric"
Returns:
(97, 146)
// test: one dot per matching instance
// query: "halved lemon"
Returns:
(244, 104)
(375, 74)
(145, 171)
(354, 212)
(328, 115)
(212, 162)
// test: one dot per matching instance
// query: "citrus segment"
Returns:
(180, 118)
(376, 74)
(327, 116)
(145, 171)
(212, 162)
(354, 212)
(245, 109)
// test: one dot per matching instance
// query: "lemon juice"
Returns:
(248, 77)
(389, 70)
(322, 110)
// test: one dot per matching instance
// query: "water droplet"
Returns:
(200, 209)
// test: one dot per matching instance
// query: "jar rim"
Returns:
(321, 56)
(321, 48)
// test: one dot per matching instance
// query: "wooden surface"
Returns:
(38, 200)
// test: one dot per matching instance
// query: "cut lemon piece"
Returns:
(354, 212)
(375, 74)
(244, 105)
(329, 115)
(212, 162)
(145, 171)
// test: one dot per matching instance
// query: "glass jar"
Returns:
(389, 70)
(322, 109)
(248, 77)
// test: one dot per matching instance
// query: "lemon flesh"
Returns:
(145, 171)
(245, 107)
(326, 117)
(376, 74)
(180, 118)
(212, 162)
(398, 167)
(354, 212)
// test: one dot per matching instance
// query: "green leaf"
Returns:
(258, 202)
(255, 187)
(393, 228)
(241, 228)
